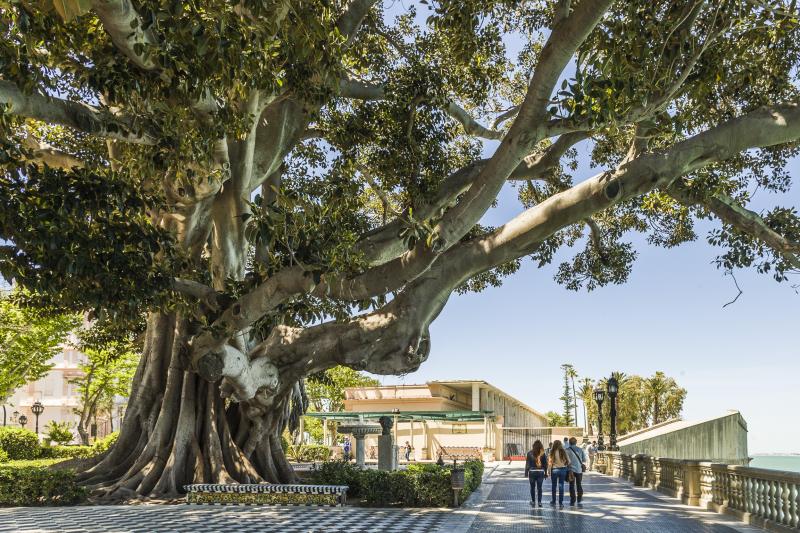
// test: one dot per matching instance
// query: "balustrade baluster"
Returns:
(795, 510)
(786, 516)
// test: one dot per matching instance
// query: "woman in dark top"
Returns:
(536, 471)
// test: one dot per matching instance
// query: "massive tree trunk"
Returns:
(178, 429)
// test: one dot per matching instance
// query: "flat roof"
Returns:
(455, 416)
(456, 382)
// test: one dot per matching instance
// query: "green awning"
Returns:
(453, 416)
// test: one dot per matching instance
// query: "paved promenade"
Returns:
(608, 506)
(500, 505)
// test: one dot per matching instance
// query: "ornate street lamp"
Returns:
(613, 389)
(37, 408)
(599, 396)
(14, 416)
(23, 420)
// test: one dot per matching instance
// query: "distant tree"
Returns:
(554, 419)
(641, 402)
(105, 374)
(664, 398)
(568, 397)
(325, 392)
(29, 338)
(59, 432)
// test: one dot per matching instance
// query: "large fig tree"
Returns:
(283, 187)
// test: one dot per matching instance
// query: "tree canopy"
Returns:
(287, 187)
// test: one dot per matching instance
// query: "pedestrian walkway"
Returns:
(500, 505)
(608, 505)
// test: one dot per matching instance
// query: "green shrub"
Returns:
(420, 485)
(59, 432)
(3, 456)
(19, 443)
(36, 485)
(102, 445)
(338, 473)
(67, 452)
(306, 453)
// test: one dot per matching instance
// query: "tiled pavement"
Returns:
(213, 518)
(500, 505)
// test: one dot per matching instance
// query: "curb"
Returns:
(461, 519)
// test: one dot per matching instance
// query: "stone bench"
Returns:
(265, 493)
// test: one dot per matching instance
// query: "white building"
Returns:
(59, 398)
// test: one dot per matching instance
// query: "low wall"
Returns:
(721, 440)
(761, 497)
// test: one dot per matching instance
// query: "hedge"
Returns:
(4, 458)
(105, 443)
(420, 485)
(67, 452)
(19, 443)
(30, 483)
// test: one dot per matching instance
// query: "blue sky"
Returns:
(669, 316)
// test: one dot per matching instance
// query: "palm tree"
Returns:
(570, 374)
(587, 395)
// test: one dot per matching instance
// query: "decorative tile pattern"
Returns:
(243, 519)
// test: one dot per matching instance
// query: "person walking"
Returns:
(577, 466)
(347, 449)
(592, 453)
(536, 471)
(408, 452)
(557, 464)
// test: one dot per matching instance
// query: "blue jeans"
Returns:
(536, 477)
(558, 475)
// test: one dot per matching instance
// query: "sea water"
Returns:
(787, 463)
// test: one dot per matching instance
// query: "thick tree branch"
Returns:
(742, 219)
(359, 90)
(383, 244)
(46, 154)
(81, 117)
(534, 166)
(523, 234)
(124, 26)
(530, 126)
(353, 15)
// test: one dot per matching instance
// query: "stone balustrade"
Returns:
(765, 498)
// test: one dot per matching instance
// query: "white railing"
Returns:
(765, 498)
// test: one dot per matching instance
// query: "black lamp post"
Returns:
(14, 416)
(599, 396)
(23, 420)
(613, 389)
(37, 408)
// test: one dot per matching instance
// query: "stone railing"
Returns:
(765, 498)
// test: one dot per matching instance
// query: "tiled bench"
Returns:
(461, 452)
(265, 493)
